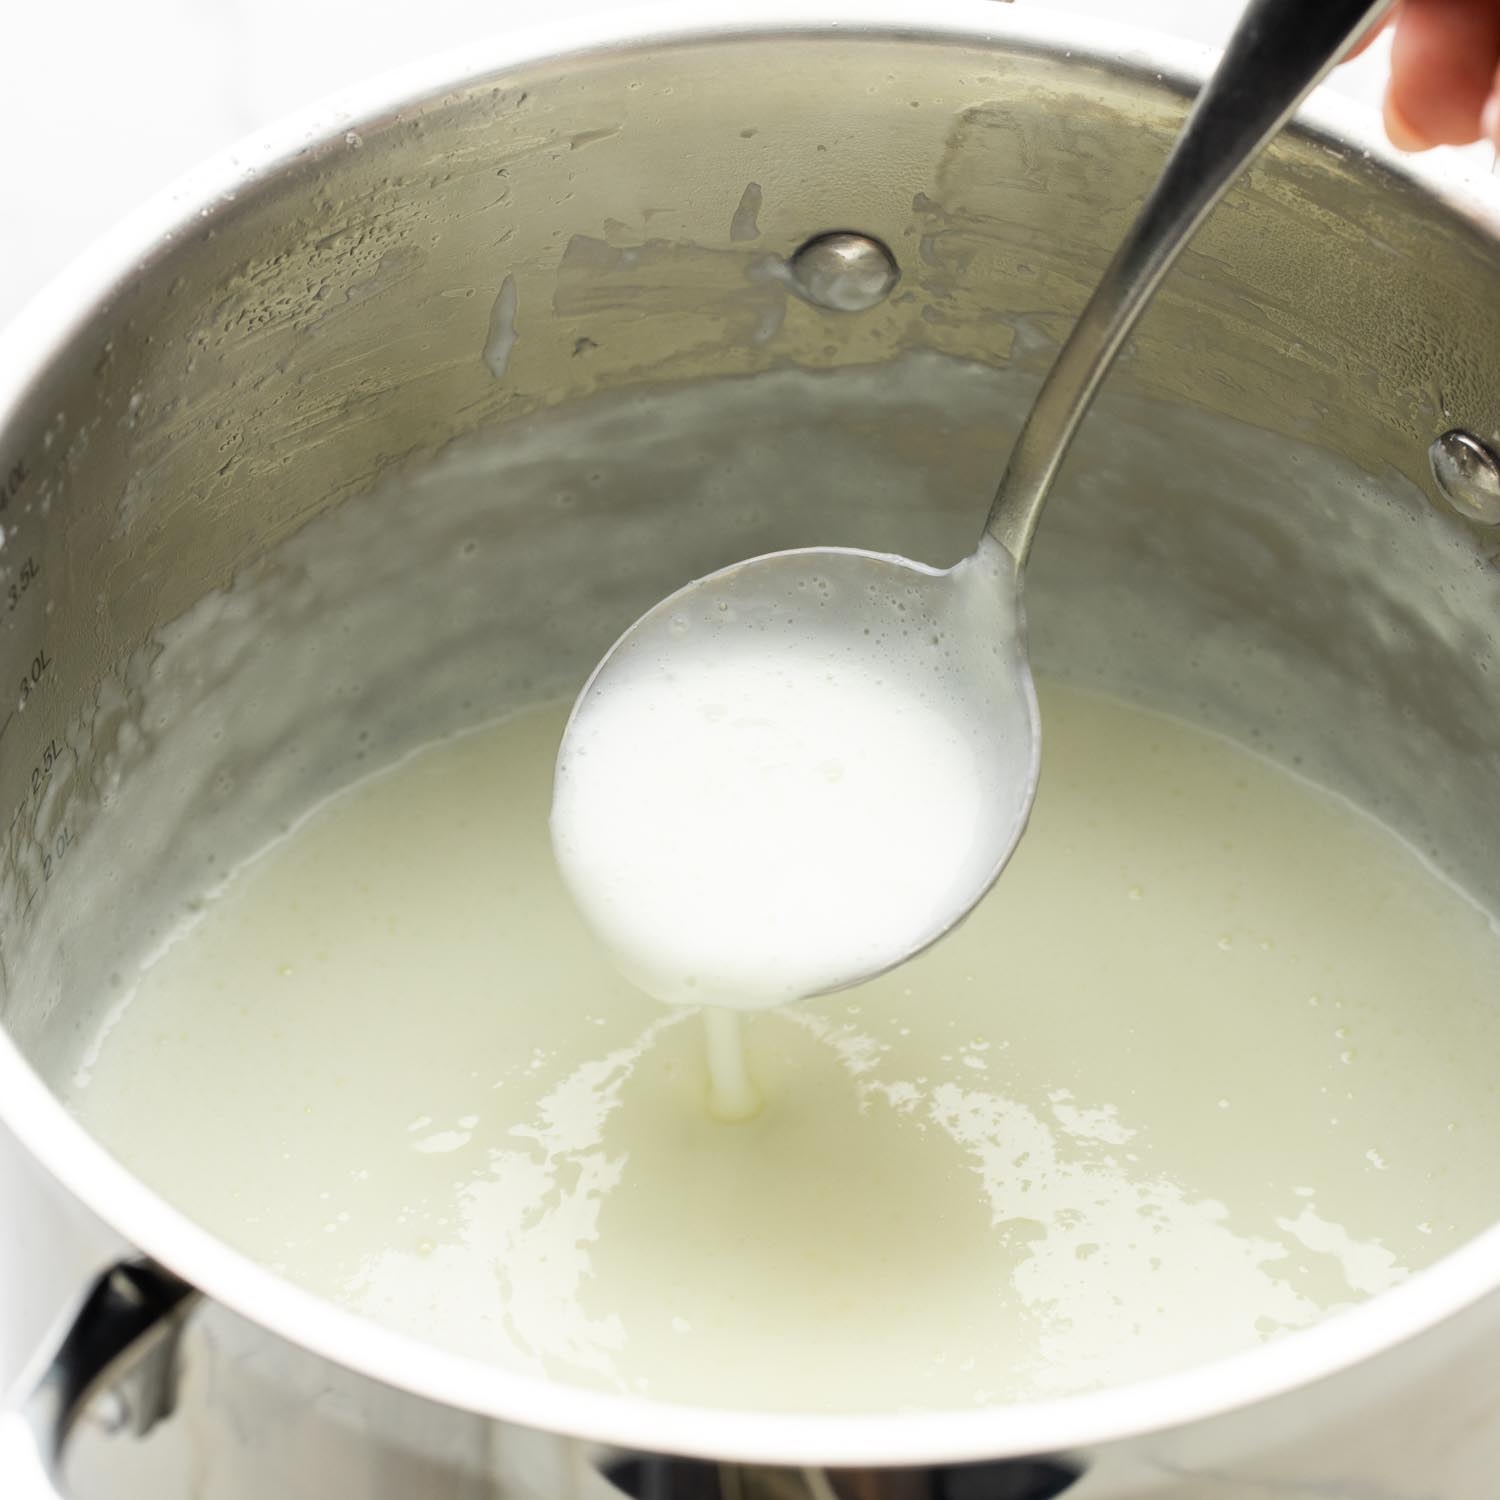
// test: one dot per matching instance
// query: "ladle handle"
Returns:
(1278, 53)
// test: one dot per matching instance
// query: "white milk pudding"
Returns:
(779, 792)
(1213, 1059)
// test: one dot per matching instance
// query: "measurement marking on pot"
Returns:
(13, 482)
(54, 851)
(27, 575)
(52, 855)
(34, 675)
(41, 772)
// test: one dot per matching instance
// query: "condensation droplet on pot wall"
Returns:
(743, 225)
(501, 338)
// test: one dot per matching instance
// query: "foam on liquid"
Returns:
(1213, 1059)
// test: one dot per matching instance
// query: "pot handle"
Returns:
(648, 1477)
(122, 1339)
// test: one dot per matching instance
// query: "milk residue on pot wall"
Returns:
(501, 338)
(1270, 591)
(501, 573)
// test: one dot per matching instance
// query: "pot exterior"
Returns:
(255, 1417)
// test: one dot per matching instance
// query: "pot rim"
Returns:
(82, 1166)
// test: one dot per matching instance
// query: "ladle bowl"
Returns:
(885, 857)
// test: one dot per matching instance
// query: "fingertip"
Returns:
(1403, 136)
(1489, 120)
(1443, 62)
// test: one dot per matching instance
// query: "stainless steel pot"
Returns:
(528, 314)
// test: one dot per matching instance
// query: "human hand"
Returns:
(1444, 88)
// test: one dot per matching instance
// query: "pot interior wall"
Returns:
(400, 436)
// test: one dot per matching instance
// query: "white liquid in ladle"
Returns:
(780, 793)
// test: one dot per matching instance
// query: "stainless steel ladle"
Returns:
(1277, 54)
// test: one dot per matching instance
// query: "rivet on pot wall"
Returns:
(844, 272)
(1468, 474)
